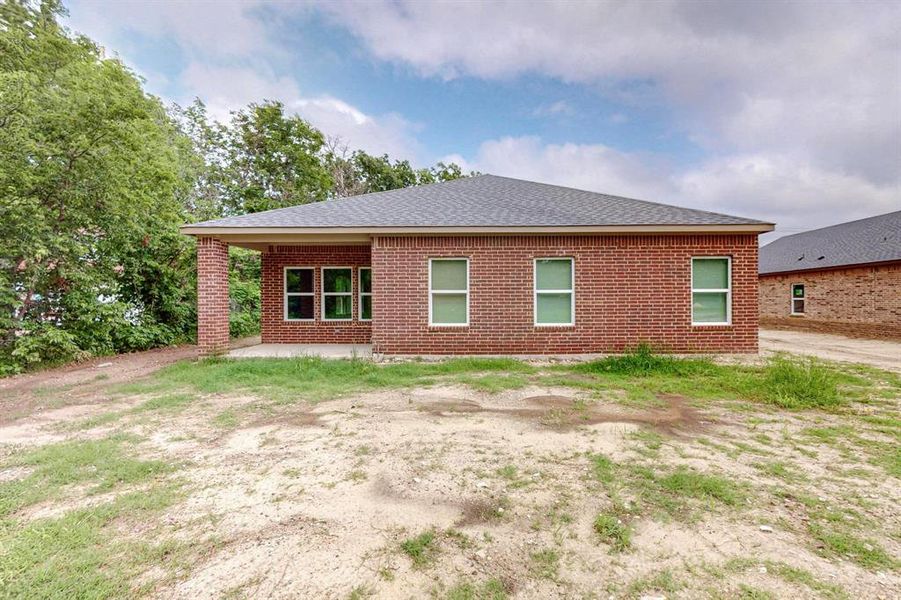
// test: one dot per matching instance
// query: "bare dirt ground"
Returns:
(300, 500)
(883, 354)
(81, 382)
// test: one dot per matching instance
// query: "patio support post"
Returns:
(212, 296)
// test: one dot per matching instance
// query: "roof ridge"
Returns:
(479, 201)
(842, 224)
(631, 199)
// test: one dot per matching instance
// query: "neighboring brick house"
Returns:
(490, 265)
(840, 279)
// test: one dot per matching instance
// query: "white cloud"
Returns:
(817, 80)
(797, 196)
(216, 30)
(231, 61)
(798, 104)
(225, 89)
(384, 134)
(560, 108)
(585, 166)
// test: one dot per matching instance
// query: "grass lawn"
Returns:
(470, 478)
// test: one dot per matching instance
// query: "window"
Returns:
(337, 293)
(365, 287)
(299, 294)
(449, 291)
(554, 298)
(711, 290)
(798, 299)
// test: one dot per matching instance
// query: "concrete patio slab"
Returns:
(295, 350)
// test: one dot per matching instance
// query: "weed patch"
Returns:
(493, 589)
(796, 384)
(643, 362)
(663, 581)
(421, 549)
(546, 564)
(227, 419)
(613, 532)
(685, 482)
(866, 553)
(101, 464)
(78, 555)
(602, 468)
(314, 378)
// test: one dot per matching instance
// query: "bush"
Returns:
(797, 384)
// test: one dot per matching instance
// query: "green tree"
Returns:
(96, 177)
(90, 256)
(360, 173)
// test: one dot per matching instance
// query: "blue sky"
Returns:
(787, 112)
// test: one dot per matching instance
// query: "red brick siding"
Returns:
(212, 295)
(863, 301)
(629, 289)
(274, 328)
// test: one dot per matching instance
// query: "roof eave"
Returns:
(211, 230)
(850, 265)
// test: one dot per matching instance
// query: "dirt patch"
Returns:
(82, 382)
(564, 412)
(883, 354)
(316, 500)
(477, 512)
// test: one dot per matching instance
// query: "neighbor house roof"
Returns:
(482, 202)
(872, 240)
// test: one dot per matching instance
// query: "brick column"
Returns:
(212, 296)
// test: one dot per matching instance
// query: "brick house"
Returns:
(840, 279)
(490, 265)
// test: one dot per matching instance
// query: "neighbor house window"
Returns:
(554, 297)
(299, 294)
(798, 298)
(337, 293)
(711, 290)
(365, 287)
(448, 291)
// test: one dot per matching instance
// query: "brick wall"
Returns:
(629, 289)
(862, 301)
(274, 328)
(212, 295)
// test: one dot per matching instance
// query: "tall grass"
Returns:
(789, 383)
(643, 375)
(314, 378)
(643, 362)
(798, 384)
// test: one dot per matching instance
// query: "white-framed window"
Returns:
(798, 299)
(554, 287)
(365, 286)
(337, 293)
(449, 292)
(711, 290)
(299, 294)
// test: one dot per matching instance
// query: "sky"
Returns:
(788, 112)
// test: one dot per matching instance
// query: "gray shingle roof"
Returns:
(480, 201)
(876, 239)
